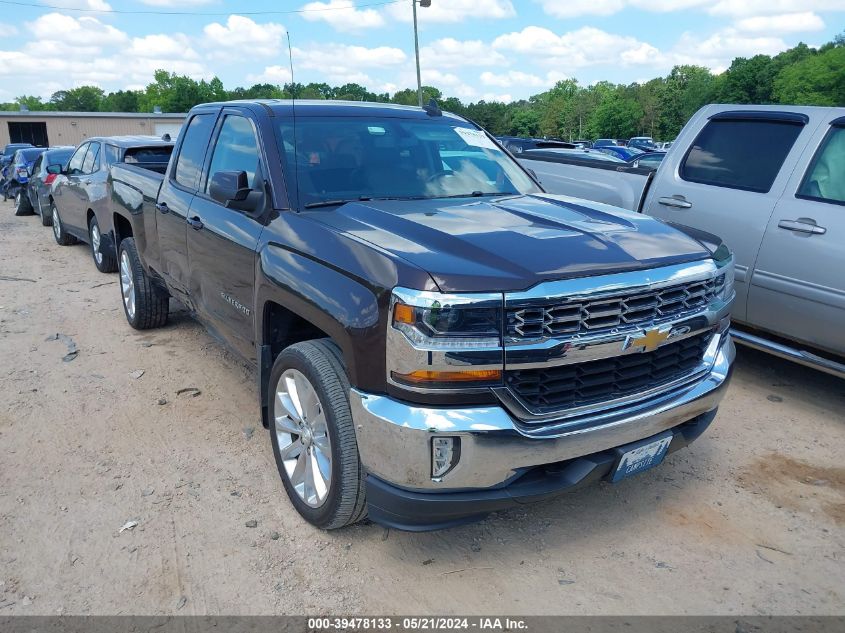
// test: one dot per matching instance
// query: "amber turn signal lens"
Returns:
(403, 313)
(422, 376)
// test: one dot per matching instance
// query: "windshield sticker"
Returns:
(476, 138)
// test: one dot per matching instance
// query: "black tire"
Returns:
(22, 204)
(321, 363)
(63, 238)
(46, 218)
(150, 303)
(107, 262)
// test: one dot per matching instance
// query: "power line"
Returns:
(200, 13)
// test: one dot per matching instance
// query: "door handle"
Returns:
(195, 223)
(162, 206)
(802, 225)
(675, 201)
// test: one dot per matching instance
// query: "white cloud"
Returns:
(342, 15)
(587, 46)
(271, 75)
(442, 11)
(451, 53)
(244, 38)
(719, 49)
(490, 96)
(519, 79)
(744, 8)
(785, 23)
(174, 46)
(85, 31)
(343, 63)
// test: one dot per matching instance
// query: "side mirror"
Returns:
(232, 190)
(54, 169)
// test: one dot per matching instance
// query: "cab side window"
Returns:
(236, 150)
(825, 178)
(739, 154)
(74, 167)
(91, 162)
(192, 151)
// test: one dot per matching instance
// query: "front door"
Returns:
(222, 241)
(798, 286)
(68, 197)
(174, 201)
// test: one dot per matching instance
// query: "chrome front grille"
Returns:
(567, 317)
(602, 381)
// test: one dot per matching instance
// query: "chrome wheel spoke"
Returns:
(302, 437)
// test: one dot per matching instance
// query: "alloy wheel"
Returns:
(303, 438)
(57, 225)
(95, 243)
(127, 284)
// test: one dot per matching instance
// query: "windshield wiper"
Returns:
(480, 194)
(336, 202)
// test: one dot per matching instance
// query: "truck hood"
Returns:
(512, 242)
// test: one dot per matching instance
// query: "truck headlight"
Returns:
(445, 340)
(725, 278)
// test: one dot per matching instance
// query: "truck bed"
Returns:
(616, 184)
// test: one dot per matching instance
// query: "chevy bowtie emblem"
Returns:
(649, 341)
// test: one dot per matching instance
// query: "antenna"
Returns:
(293, 116)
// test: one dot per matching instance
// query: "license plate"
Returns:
(638, 458)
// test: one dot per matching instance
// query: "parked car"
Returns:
(769, 180)
(625, 153)
(583, 154)
(650, 160)
(35, 196)
(517, 145)
(431, 343)
(5, 160)
(604, 142)
(664, 146)
(582, 144)
(83, 188)
(17, 172)
(645, 143)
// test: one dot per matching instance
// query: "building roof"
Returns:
(41, 114)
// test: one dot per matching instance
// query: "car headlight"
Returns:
(445, 340)
(725, 279)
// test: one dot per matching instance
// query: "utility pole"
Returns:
(423, 3)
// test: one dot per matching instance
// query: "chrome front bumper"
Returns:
(394, 438)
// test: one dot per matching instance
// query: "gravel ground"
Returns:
(749, 520)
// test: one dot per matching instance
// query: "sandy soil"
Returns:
(749, 520)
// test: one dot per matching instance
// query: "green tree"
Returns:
(409, 95)
(121, 101)
(815, 80)
(617, 116)
(82, 99)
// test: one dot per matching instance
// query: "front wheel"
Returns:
(105, 262)
(313, 435)
(144, 304)
(22, 205)
(63, 238)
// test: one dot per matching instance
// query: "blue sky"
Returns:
(473, 49)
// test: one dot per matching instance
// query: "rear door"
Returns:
(68, 196)
(729, 180)
(798, 286)
(174, 201)
(222, 241)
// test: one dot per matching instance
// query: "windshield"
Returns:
(341, 159)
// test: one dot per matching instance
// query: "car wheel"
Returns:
(144, 304)
(105, 263)
(62, 237)
(22, 205)
(46, 219)
(313, 435)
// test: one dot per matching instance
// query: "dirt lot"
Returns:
(749, 520)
